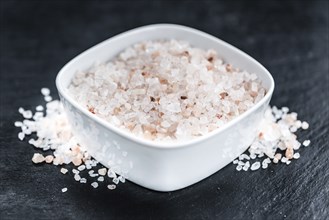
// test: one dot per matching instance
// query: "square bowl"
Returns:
(156, 165)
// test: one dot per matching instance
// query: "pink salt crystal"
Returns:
(102, 171)
(38, 158)
(49, 158)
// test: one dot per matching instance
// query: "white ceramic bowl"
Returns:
(160, 166)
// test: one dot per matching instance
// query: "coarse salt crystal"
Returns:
(305, 125)
(39, 108)
(77, 177)
(21, 136)
(38, 158)
(81, 167)
(306, 143)
(64, 189)
(296, 155)
(100, 179)
(255, 166)
(102, 171)
(48, 98)
(64, 171)
(45, 91)
(94, 184)
(111, 186)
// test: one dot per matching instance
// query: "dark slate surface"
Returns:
(290, 38)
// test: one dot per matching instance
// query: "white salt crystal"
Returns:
(100, 179)
(296, 155)
(48, 98)
(81, 167)
(111, 186)
(255, 166)
(305, 125)
(39, 108)
(102, 171)
(75, 171)
(64, 171)
(18, 124)
(94, 184)
(83, 180)
(306, 143)
(45, 91)
(77, 177)
(21, 136)
(64, 189)
(38, 158)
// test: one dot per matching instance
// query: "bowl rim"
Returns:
(162, 144)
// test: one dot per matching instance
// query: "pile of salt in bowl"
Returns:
(166, 90)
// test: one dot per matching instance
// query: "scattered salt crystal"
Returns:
(64, 171)
(49, 158)
(100, 179)
(45, 91)
(235, 161)
(122, 179)
(284, 159)
(239, 167)
(115, 180)
(38, 158)
(306, 143)
(48, 98)
(296, 155)
(102, 171)
(77, 177)
(81, 167)
(21, 110)
(305, 125)
(83, 180)
(64, 189)
(21, 136)
(27, 114)
(94, 184)
(18, 124)
(111, 186)
(75, 171)
(255, 166)
(39, 108)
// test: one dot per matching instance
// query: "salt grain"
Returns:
(81, 167)
(306, 143)
(38, 158)
(100, 179)
(64, 171)
(305, 125)
(45, 91)
(94, 184)
(39, 108)
(111, 186)
(102, 171)
(21, 136)
(64, 189)
(255, 166)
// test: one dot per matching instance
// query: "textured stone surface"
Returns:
(290, 38)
